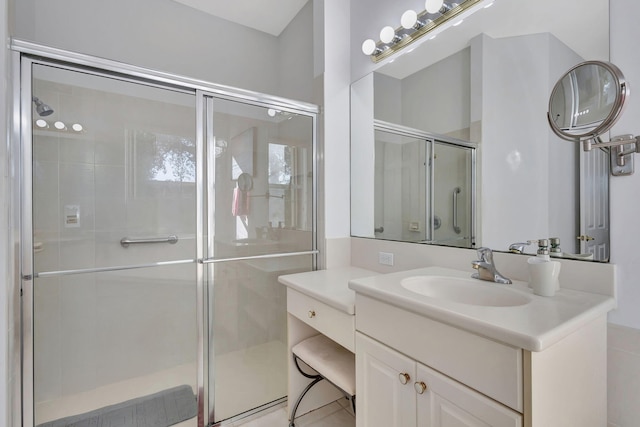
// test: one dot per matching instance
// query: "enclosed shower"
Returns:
(156, 215)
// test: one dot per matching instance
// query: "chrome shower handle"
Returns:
(126, 241)
(456, 227)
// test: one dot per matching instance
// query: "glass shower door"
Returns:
(113, 236)
(260, 225)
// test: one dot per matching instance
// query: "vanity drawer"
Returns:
(490, 367)
(335, 324)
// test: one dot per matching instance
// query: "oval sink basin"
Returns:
(464, 291)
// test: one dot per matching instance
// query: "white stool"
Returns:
(331, 361)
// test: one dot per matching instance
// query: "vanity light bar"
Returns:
(425, 22)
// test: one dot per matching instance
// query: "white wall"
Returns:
(176, 39)
(8, 378)
(624, 340)
(336, 116)
(444, 106)
(519, 155)
(625, 230)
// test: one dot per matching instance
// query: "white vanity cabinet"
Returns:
(395, 390)
(470, 379)
(319, 302)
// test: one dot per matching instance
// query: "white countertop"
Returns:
(328, 286)
(534, 326)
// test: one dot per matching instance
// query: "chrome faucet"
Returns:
(486, 268)
(518, 248)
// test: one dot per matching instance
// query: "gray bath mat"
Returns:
(161, 409)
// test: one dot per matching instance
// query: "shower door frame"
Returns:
(24, 56)
(432, 139)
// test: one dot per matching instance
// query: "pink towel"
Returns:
(240, 204)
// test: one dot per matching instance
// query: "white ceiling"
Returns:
(271, 17)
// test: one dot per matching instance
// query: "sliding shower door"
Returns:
(260, 225)
(113, 226)
(155, 220)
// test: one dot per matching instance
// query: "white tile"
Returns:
(623, 377)
(76, 150)
(332, 415)
(623, 338)
(110, 153)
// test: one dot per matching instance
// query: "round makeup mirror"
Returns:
(587, 101)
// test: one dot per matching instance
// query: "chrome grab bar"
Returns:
(456, 227)
(125, 241)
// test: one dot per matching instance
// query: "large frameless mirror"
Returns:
(487, 82)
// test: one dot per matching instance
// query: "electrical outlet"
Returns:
(414, 226)
(385, 258)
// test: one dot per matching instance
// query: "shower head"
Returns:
(41, 108)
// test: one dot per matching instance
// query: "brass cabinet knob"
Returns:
(420, 387)
(584, 238)
(404, 378)
(312, 314)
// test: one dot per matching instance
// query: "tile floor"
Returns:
(336, 414)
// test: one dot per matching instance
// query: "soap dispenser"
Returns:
(543, 273)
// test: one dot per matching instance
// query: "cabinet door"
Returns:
(384, 386)
(447, 403)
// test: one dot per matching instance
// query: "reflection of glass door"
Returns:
(400, 187)
(424, 187)
(112, 230)
(453, 194)
(261, 203)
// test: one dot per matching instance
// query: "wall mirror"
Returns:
(487, 82)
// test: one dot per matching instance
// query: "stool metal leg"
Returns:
(295, 407)
(316, 380)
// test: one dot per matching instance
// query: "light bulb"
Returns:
(433, 6)
(387, 34)
(59, 125)
(409, 19)
(271, 112)
(368, 47)
(41, 123)
(77, 127)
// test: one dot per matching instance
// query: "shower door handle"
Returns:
(456, 227)
(125, 241)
